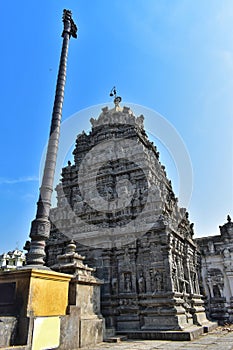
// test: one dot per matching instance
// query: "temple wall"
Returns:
(217, 272)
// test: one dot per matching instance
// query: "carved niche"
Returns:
(215, 283)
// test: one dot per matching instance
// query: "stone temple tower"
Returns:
(118, 205)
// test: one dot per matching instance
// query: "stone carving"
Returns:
(114, 285)
(215, 282)
(126, 256)
(194, 281)
(140, 264)
(217, 272)
(140, 121)
(141, 284)
(226, 253)
(175, 276)
(158, 281)
(127, 282)
(211, 247)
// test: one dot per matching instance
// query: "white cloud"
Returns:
(5, 181)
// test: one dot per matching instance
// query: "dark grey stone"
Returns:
(150, 275)
(8, 329)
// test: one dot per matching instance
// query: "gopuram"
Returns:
(117, 204)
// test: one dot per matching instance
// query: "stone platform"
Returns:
(220, 338)
(188, 334)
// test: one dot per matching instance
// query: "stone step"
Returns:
(191, 333)
(210, 326)
(16, 347)
(116, 339)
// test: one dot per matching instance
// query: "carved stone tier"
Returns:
(84, 292)
(216, 269)
(117, 203)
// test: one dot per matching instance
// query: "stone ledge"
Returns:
(210, 326)
(117, 339)
(20, 347)
(186, 335)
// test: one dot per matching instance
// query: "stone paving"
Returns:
(220, 338)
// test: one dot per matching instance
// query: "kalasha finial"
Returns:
(117, 99)
(69, 25)
(228, 218)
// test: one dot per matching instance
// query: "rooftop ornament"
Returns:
(117, 99)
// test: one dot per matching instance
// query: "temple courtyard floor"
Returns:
(218, 339)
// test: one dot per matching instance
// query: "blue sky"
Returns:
(174, 57)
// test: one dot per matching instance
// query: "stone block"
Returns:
(128, 321)
(108, 332)
(164, 322)
(34, 292)
(43, 289)
(46, 333)
(69, 332)
(8, 326)
(187, 335)
(91, 331)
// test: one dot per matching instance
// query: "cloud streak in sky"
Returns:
(5, 181)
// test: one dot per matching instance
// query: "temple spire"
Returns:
(40, 227)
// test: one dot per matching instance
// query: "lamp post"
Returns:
(40, 226)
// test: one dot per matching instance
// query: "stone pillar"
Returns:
(40, 227)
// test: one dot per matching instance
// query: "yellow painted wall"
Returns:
(48, 295)
(38, 292)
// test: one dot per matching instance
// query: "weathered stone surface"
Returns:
(84, 324)
(39, 296)
(216, 269)
(118, 205)
(34, 292)
(91, 331)
(8, 329)
(70, 329)
(217, 339)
